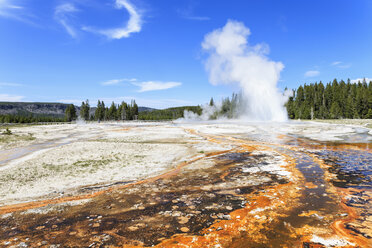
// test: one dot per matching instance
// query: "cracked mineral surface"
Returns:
(178, 184)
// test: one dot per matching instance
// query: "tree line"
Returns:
(123, 111)
(169, 113)
(335, 100)
(11, 118)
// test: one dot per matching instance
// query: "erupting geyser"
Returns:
(232, 60)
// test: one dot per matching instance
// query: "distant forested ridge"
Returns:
(29, 112)
(33, 108)
(335, 100)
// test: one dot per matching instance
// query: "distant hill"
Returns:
(43, 109)
(141, 109)
(34, 108)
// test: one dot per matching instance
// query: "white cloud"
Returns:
(62, 14)
(312, 73)
(144, 86)
(354, 81)
(12, 9)
(112, 82)
(10, 98)
(340, 64)
(133, 25)
(117, 81)
(6, 4)
(156, 85)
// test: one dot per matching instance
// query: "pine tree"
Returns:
(369, 114)
(112, 112)
(70, 113)
(211, 102)
(84, 110)
(100, 111)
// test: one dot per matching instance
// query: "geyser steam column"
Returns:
(232, 60)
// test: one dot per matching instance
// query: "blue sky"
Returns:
(72, 50)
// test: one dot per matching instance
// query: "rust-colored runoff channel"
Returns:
(234, 203)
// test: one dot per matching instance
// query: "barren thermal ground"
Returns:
(187, 184)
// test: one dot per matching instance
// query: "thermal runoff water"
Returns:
(232, 60)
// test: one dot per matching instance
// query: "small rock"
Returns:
(54, 246)
(22, 244)
(184, 229)
(183, 220)
(133, 228)
(176, 213)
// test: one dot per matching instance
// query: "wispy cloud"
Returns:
(354, 81)
(117, 81)
(112, 82)
(7, 4)
(133, 25)
(13, 9)
(312, 73)
(156, 85)
(76, 102)
(10, 98)
(63, 14)
(341, 64)
(188, 13)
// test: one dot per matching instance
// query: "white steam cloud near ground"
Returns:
(232, 60)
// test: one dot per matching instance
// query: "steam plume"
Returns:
(232, 60)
